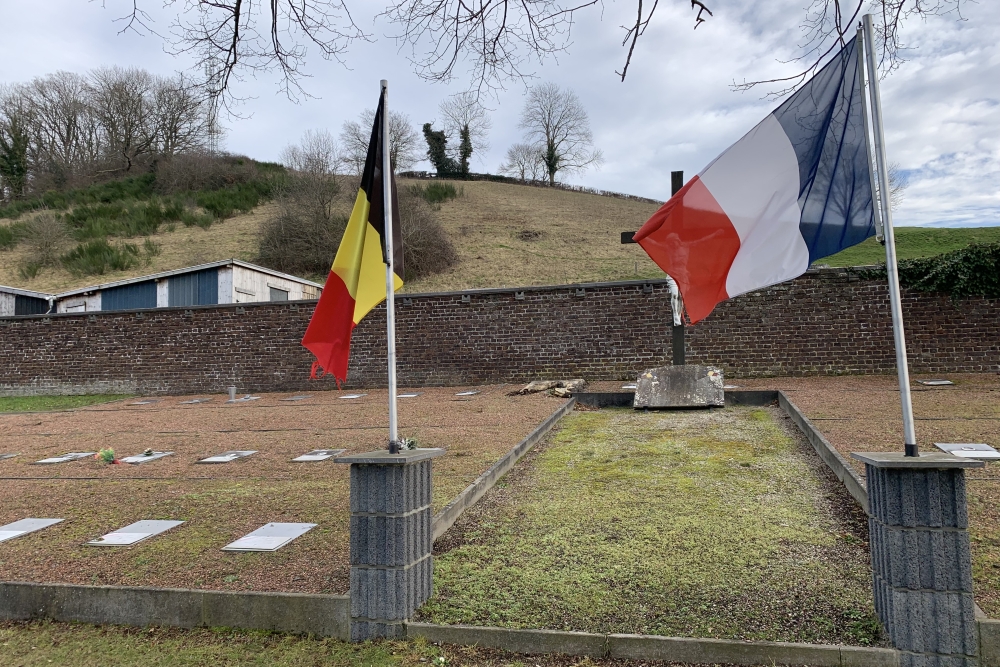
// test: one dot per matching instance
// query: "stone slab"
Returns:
(930, 460)
(680, 387)
(383, 457)
(530, 642)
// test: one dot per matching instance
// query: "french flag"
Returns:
(796, 188)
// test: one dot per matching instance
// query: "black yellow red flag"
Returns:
(357, 280)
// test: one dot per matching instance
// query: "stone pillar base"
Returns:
(391, 539)
(921, 563)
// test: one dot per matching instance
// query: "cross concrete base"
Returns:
(391, 539)
(921, 563)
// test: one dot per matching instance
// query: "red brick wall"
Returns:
(826, 322)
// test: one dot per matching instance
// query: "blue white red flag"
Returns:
(794, 189)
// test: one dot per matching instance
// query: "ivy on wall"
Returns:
(970, 271)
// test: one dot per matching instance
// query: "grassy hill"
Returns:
(505, 235)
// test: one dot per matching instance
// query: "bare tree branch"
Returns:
(830, 23)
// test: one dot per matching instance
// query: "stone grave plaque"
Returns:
(969, 450)
(7, 456)
(244, 399)
(412, 394)
(351, 397)
(295, 398)
(935, 383)
(270, 537)
(196, 401)
(145, 458)
(23, 527)
(148, 401)
(133, 534)
(319, 455)
(71, 456)
(226, 457)
(467, 393)
(680, 387)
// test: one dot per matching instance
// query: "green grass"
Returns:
(913, 243)
(38, 403)
(44, 644)
(677, 524)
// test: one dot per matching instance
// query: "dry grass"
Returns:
(578, 240)
(862, 414)
(234, 238)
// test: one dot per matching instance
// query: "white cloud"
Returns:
(674, 111)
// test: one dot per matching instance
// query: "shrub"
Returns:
(427, 249)
(970, 271)
(11, 235)
(46, 236)
(304, 243)
(97, 257)
(435, 193)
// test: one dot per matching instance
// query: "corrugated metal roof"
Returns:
(25, 292)
(190, 269)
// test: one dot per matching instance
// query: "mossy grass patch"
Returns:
(705, 524)
(40, 403)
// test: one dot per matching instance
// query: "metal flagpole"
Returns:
(390, 285)
(879, 233)
(909, 434)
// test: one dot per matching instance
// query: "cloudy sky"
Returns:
(676, 109)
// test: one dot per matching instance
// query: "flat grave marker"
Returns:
(71, 456)
(319, 455)
(243, 399)
(145, 458)
(134, 533)
(195, 401)
(226, 457)
(412, 394)
(23, 527)
(295, 398)
(467, 393)
(7, 456)
(935, 383)
(148, 401)
(968, 450)
(351, 397)
(270, 537)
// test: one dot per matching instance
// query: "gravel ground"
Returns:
(223, 502)
(862, 413)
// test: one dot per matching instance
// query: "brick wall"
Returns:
(826, 322)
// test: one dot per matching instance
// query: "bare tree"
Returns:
(496, 40)
(313, 186)
(464, 115)
(180, 117)
(66, 135)
(15, 141)
(121, 99)
(524, 162)
(404, 142)
(555, 121)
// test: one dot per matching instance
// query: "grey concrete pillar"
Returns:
(391, 539)
(921, 563)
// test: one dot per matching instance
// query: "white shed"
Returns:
(227, 281)
(14, 301)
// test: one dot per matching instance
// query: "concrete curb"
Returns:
(833, 459)
(447, 517)
(298, 613)
(645, 647)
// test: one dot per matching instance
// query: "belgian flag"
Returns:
(357, 280)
